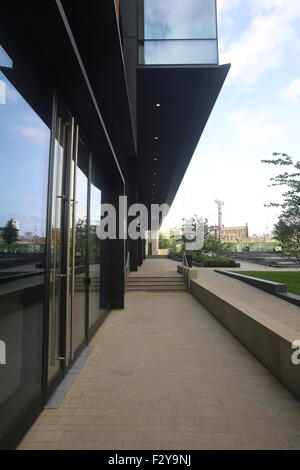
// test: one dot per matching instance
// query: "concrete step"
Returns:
(156, 288)
(158, 281)
(155, 278)
(156, 284)
(157, 257)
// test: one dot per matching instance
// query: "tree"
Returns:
(282, 232)
(287, 229)
(10, 233)
(212, 245)
(163, 243)
(80, 239)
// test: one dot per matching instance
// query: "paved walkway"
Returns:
(165, 374)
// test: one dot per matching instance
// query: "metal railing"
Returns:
(186, 271)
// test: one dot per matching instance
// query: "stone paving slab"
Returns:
(165, 374)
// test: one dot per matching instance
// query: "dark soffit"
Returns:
(97, 35)
(187, 95)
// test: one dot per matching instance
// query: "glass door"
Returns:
(68, 248)
(94, 252)
(57, 275)
(78, 249)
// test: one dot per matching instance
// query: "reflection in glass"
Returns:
(80, 248)
(177, 32)
(56, 268)
(24, 156)
(179, 19)
(178, 52)
(5, 60)
(94, 255)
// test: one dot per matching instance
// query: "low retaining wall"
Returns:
(275, 288)
(263, 284)
(267, 339)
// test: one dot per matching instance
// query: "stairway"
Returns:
(156, 283)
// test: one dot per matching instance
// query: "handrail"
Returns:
(126, 270)
(186, 271)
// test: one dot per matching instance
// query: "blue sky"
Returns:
(24, 156)
(257, 113)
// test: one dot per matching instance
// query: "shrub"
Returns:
(210, 261)
(214, 261)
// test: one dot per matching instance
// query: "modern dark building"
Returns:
(98, 99)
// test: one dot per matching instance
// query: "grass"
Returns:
(290, 278)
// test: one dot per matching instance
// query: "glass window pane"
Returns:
(81, 198)
(179, 19)
(24, 158)
(94, 255)
(179, 52)
(5, 60)
(56, 244)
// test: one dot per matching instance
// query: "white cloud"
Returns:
(264, 44)
(2, 92)
(224, 6)
(252, 129)
(35, 134)
(292, 91)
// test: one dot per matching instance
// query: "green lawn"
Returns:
(290, 278)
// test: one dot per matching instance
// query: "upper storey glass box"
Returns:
(177, 32)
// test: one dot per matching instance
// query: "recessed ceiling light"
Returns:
(156, 138)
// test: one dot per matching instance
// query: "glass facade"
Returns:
(56, 248)
(69, 242)
(94, 252)
(24, 158)
(177, 32)
(5, 60)
(79, 284)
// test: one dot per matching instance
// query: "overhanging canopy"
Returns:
(186, 95)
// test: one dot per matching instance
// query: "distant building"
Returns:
(235, 234)
(265, 237)
(29, 236)
(241, 235)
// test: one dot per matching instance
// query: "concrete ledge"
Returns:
(182, 270)
(275, 288)
(292, 298)
(268, 286)
(268, 340)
